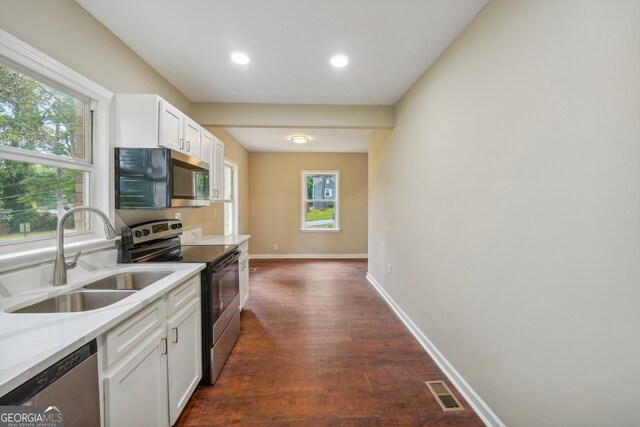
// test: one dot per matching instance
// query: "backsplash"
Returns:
(208, 218)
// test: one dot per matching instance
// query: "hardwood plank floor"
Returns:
(320, 347)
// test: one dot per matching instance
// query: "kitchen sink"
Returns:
(135, 280)
(76, 301)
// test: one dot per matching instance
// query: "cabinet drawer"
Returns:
(183, 294)
(124, 337)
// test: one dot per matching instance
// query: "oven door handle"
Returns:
(226, 261)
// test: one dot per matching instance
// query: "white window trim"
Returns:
(101, 194)
(303, 200)
(234, 196)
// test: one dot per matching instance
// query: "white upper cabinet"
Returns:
(192, 139)
(171, 127)
(216, 183)
(206, 146)
(148, 121)
(213, 153)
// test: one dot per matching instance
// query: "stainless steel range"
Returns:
(159, 241)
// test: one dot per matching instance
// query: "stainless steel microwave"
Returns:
(159, 178)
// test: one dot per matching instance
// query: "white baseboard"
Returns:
(308, 256)
(476, 402)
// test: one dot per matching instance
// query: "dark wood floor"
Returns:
(320, 347)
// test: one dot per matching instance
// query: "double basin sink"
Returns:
(98, 294)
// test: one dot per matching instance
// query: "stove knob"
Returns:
(145, 232)
(180, 225)
(138, 233)
(174, 226)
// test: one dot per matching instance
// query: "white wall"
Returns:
(507, 199)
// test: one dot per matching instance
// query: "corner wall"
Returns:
(507, 201)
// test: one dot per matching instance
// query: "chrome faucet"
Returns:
(61, 266)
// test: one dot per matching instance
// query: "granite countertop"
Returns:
(32, 342)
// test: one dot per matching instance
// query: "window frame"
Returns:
(305, 200)
(34, 63)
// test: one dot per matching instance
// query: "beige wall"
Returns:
(291, 115)
(275, 183)
(506, 199)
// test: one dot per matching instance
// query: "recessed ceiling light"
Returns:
(300, 139)
(339, 60)
(240, 58)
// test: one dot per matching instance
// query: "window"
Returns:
(45, 162)
(51, 119)
(320, 202)
(230, 197)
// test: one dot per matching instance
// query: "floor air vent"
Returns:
(443, 395)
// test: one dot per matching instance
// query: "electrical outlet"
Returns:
(275, 246)
(178, 216)
(388, 268)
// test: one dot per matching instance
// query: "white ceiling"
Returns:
(390, 43)
(320, 140)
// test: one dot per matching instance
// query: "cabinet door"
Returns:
(171, 127)
(244, 278)
(136, 390)
(206, 146)
(185, 357)
(192, 138)
(217, 170)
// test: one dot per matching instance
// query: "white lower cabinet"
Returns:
(136, 390)
(243, 263)
(185, 367)
(152, 362)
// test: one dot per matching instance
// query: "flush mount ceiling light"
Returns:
(240, 58)
(300, 139)
(339, 61)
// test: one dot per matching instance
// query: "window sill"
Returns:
(28, 258)
(320, 230)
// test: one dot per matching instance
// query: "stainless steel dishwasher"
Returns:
(69, 385)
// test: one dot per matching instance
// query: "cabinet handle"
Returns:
(181, 143)
(188, 146)
(175, 335)
(164, 346)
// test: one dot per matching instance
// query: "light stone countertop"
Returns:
(215, 240)
(30, 343)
